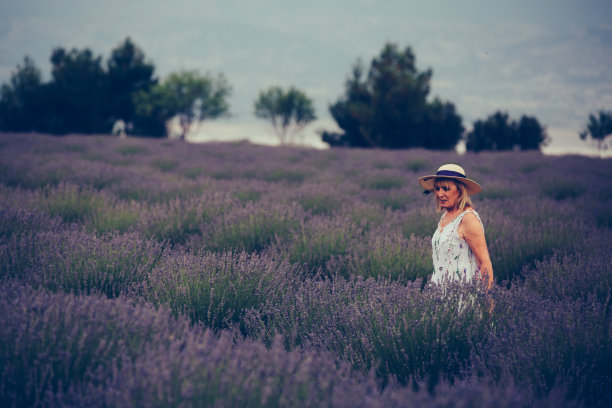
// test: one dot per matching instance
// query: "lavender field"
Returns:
(159, 273)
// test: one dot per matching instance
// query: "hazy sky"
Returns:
(546, 58)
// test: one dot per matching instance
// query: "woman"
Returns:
(459, 247)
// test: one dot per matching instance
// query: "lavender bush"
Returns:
(66, 350)
(249, 227)
(214, 289)
(407, 334)
(543, 344)
(380, 254)
(72, 260)
(230, 274)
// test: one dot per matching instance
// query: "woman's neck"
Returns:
(456, 210)
(453, 211)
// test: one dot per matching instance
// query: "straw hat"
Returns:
(450, 171)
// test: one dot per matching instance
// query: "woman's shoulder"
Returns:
(471, 218)
(470, 210)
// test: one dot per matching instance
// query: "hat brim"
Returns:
(428, 183)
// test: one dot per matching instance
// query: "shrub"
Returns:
(251, 227)
(64, 350)
(74, 261)
(543, 345)
(385, 255)
(562, 277)
(60, 345)
(213, 289)
(118, 216)
(415, 337)
(70, 202)
(513, 246)
(312, 259)
(318, 240)
(16, 221)
(177, 220)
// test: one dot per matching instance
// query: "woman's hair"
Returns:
(464, 200)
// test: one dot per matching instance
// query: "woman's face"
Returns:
(447, 194)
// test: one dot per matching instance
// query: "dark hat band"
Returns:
(450, 173)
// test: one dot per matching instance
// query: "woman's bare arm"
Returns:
(473, 234)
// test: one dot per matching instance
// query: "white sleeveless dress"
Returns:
(453, 258)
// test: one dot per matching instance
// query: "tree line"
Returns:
(88, 96)
(386, 107)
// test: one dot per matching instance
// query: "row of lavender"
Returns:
(275, 247)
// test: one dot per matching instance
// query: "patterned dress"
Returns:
(453, 258)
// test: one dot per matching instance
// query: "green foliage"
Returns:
(128, 73)
(285, 110)
(512, 248)
(388, 108)
(408, 344)
(389, 256)
(77, 262)
(320, 240)
(496, 133)
(118, 216)
(78, 93)
(213, 289)
(153, 109)
(188, 95)
(598, 128)
(81, 97)
(249, 228)
(499, 132)
(70, 202)
(177, 220)
(21, 103)
(531, 135)
(84, 97)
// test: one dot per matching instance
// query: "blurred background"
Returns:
(542, 58)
